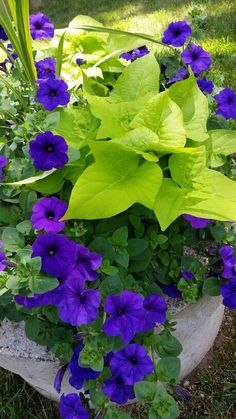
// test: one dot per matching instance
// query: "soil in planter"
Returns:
(212, 385)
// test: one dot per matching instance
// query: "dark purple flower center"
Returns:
(52, 93)
(195, 55)
(176, 33)
(50, 215)
(51, 251)
(119, 380)
(82, 298)
(134, 360)
(120, 311)
(49, 148)
(230, 100)
(38, 25)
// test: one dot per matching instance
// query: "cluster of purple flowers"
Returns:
(228, 289)
(129, 313)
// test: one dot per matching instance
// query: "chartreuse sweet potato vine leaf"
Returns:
(194, 106)
(195, 190)
(113, 183)
(139, 81)
(162, 116)
(221, 144)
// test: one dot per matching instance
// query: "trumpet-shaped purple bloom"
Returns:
(117, 391)
(135, 53)
(226, 103)
(79, 374)
(57, 253)
(126, 315)
(3, 163)
(3, 35)
(181, 74)
(59, 377)
(197, 222)
(52, 297)
(177, 33)
(155, 307)
(186, 274)
(87, 263)
(46, 69)
(228, 292)
(229, 261)
(171, 291)
(198, 59)
(47, 213)
(71, 407)
(131, 363)
(41, 26)
(205, 85)
(48, 151)
(52, 93)
(78, 305)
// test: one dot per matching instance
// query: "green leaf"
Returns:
(97, 397)
(138, 79)
(114, 413)
(41, 284)
(145, 391)
(166, 345)
(111, 285)
(191, 166)
(24, 227)
(113, 184)
(12, 239)
(51, 121)
(120, 236)
(141, 140)
(211, 286)
(32, 327)
(51, 183)
(136, 246)
(164, 406)
(221, 144)
(90, 357)
(77, 125)
(122, 257)
(168, 370)
(162, 116)
(194, 106)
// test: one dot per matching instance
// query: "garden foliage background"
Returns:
(218, 22)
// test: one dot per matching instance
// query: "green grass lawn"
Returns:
(214, 388)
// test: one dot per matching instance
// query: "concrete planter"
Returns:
(197, 328)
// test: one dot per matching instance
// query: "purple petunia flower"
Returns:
(229, 261)
(132, 363)
(205, 85)
(47, 213)
(87, 263)
(155, 307)
(198, 59)
(46, 69)
(79, 374)
(117, 391)
(59, 377)
(127, 314)
(186, 274)
(135, 53)
(228, 292)
(197, 222)
(70, 407)
(171, 291)
(226, 103)
(181, 74)
(52, 93)
(79, 61)
(181, 391)
(57, 253)
(41, 26)
(177, 33)
(3, 35)
(3, 163)
(48, 151)
(78, 305)
(52, 297)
